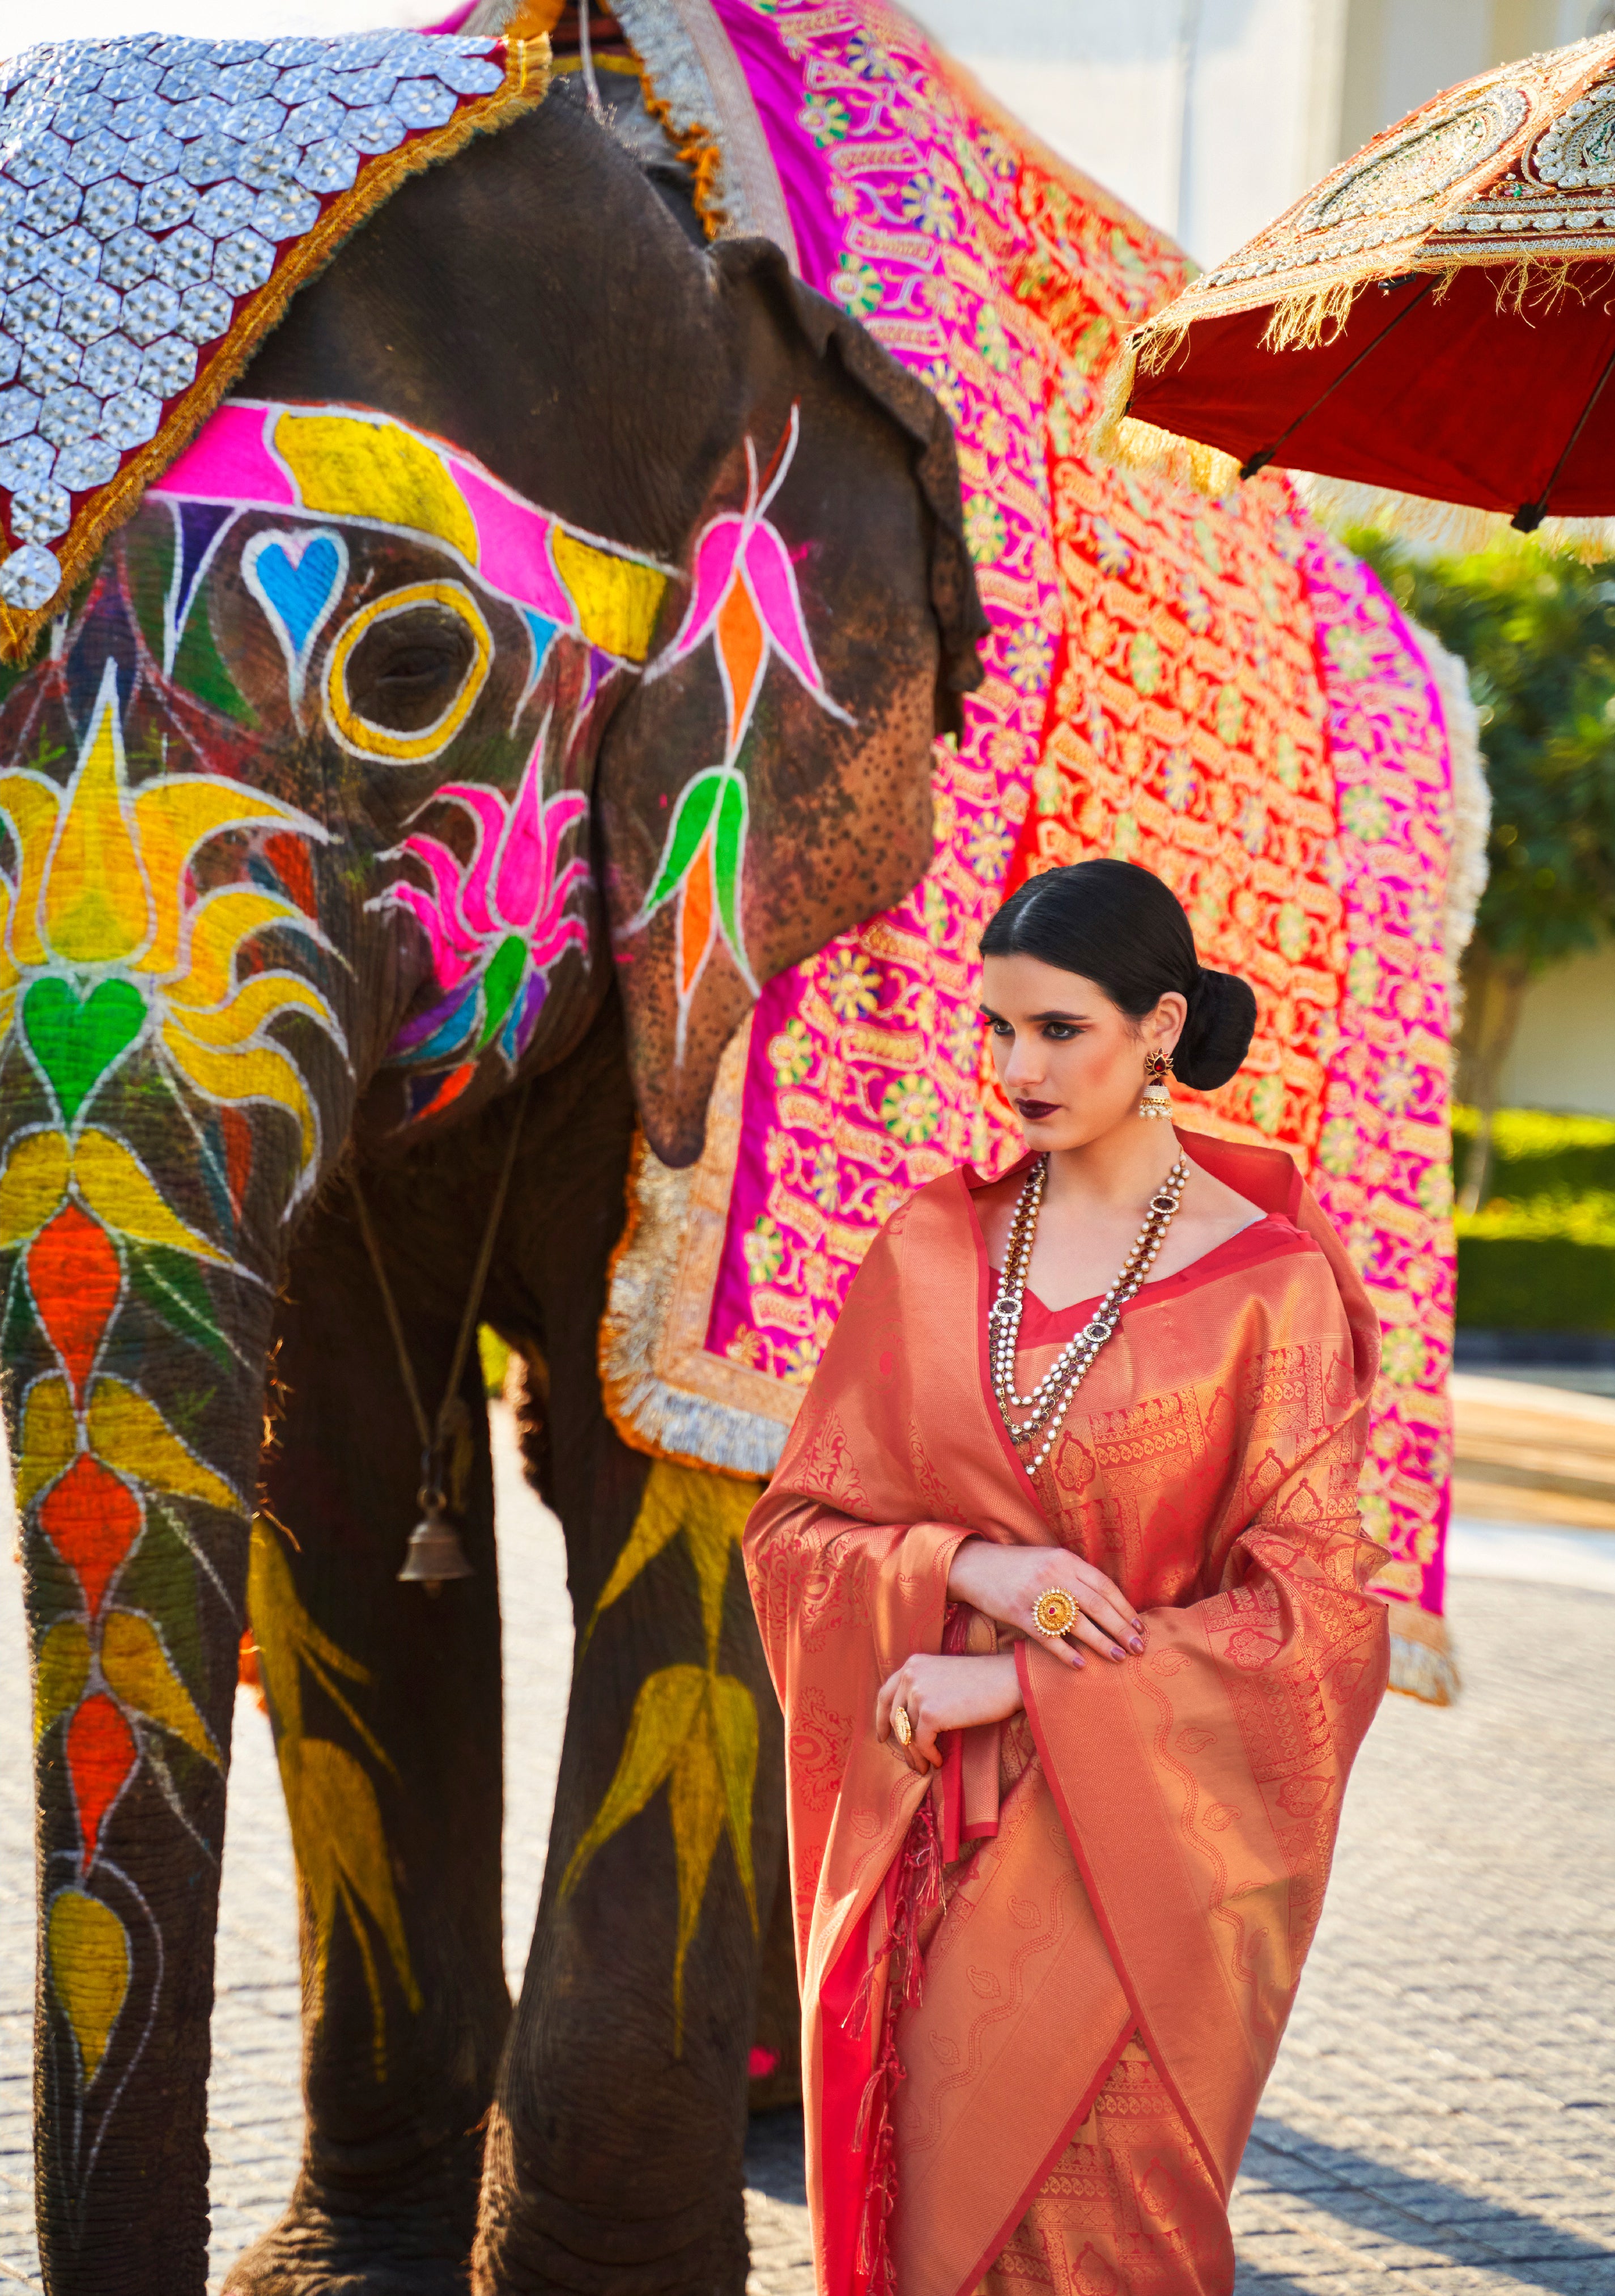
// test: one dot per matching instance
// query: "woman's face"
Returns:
(1070, 1062)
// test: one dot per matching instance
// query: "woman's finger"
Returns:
(1088, 1632)
(923, 1744)
(1058, 1646)
(1105, 1605)
(885, 1700)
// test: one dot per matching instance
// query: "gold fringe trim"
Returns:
(648, 1385)
(1422, 1661)
(1444, 530)
(699, 149)
(1315, 315)
(526, 77)
(1121, 438)
(665, 1392)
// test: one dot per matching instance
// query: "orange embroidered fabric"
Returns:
(1159, 1868)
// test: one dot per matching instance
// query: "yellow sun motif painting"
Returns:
(102, 948)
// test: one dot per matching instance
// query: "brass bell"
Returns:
(434, 1552)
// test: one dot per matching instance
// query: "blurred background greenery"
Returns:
(1535, 1189)
(1540, 1255)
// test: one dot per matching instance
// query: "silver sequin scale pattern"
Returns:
(146, 185)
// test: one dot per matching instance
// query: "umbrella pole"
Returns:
(1264, 455)
(1529, 516)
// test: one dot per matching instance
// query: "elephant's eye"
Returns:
(402, 674)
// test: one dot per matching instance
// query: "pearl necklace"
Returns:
(1048, 1400)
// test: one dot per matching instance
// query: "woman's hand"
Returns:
(946, 1694)
(1004, 1582)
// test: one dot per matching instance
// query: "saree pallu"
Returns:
(1129, 1897)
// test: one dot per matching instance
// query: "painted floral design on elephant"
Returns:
(744, 598)
(692, 1728)
(337, 1832)
(497, 925)
(106, 946)
(499, 920)
(103, 950)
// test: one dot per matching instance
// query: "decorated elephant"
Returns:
(540, 646)
(544, 589)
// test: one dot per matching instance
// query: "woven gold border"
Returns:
(526, 77)
(665, 1392)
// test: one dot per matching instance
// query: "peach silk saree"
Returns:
(1037, 2067)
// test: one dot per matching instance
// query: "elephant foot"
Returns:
(533, 2243)
(309, 2254)
(411, 2239)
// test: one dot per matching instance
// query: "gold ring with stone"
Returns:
(1055, 1612)
(902, 1727)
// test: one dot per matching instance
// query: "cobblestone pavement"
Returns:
(1442, 2117)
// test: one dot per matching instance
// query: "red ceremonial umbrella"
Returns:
(1437, 318)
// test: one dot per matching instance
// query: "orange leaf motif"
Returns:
(75, 1275)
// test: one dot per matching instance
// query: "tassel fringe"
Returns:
(1441, 529)
(919, 1891)
(1303, 321)
(1425, 1670)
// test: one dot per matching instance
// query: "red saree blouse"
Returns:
(1136, 1909)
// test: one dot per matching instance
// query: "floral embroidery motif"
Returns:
(1153, 691)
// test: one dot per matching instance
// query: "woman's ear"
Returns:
(1166, 1024)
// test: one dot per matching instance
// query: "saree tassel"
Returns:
(876, 2138)
(918, 1891)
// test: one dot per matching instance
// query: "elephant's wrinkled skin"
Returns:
(178, 1222)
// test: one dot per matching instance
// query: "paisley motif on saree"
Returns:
(1157, 1869)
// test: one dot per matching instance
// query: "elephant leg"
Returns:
(615, 2148)
(386, 1705)
(776, 2049)
(131, 1487)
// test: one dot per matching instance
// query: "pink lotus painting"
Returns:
(498, 923)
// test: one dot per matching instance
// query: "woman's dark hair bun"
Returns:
(1217, 1035)
(1118, 924)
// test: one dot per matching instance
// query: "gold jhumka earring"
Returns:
(1155, 1099)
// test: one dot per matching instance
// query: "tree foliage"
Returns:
(1537, 632)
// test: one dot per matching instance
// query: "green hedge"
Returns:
(1540, 1254)
(1535, 1154)
(1527, 1283)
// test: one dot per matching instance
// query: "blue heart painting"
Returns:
(296, 578)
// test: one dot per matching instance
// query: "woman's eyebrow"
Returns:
(1059, 1016)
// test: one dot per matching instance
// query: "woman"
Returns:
(1062, 1585)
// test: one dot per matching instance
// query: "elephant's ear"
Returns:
(768, 782)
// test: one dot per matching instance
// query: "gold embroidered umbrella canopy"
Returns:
(1433, 325)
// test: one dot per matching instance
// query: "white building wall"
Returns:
(1564, 1052)
(1209, 117)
